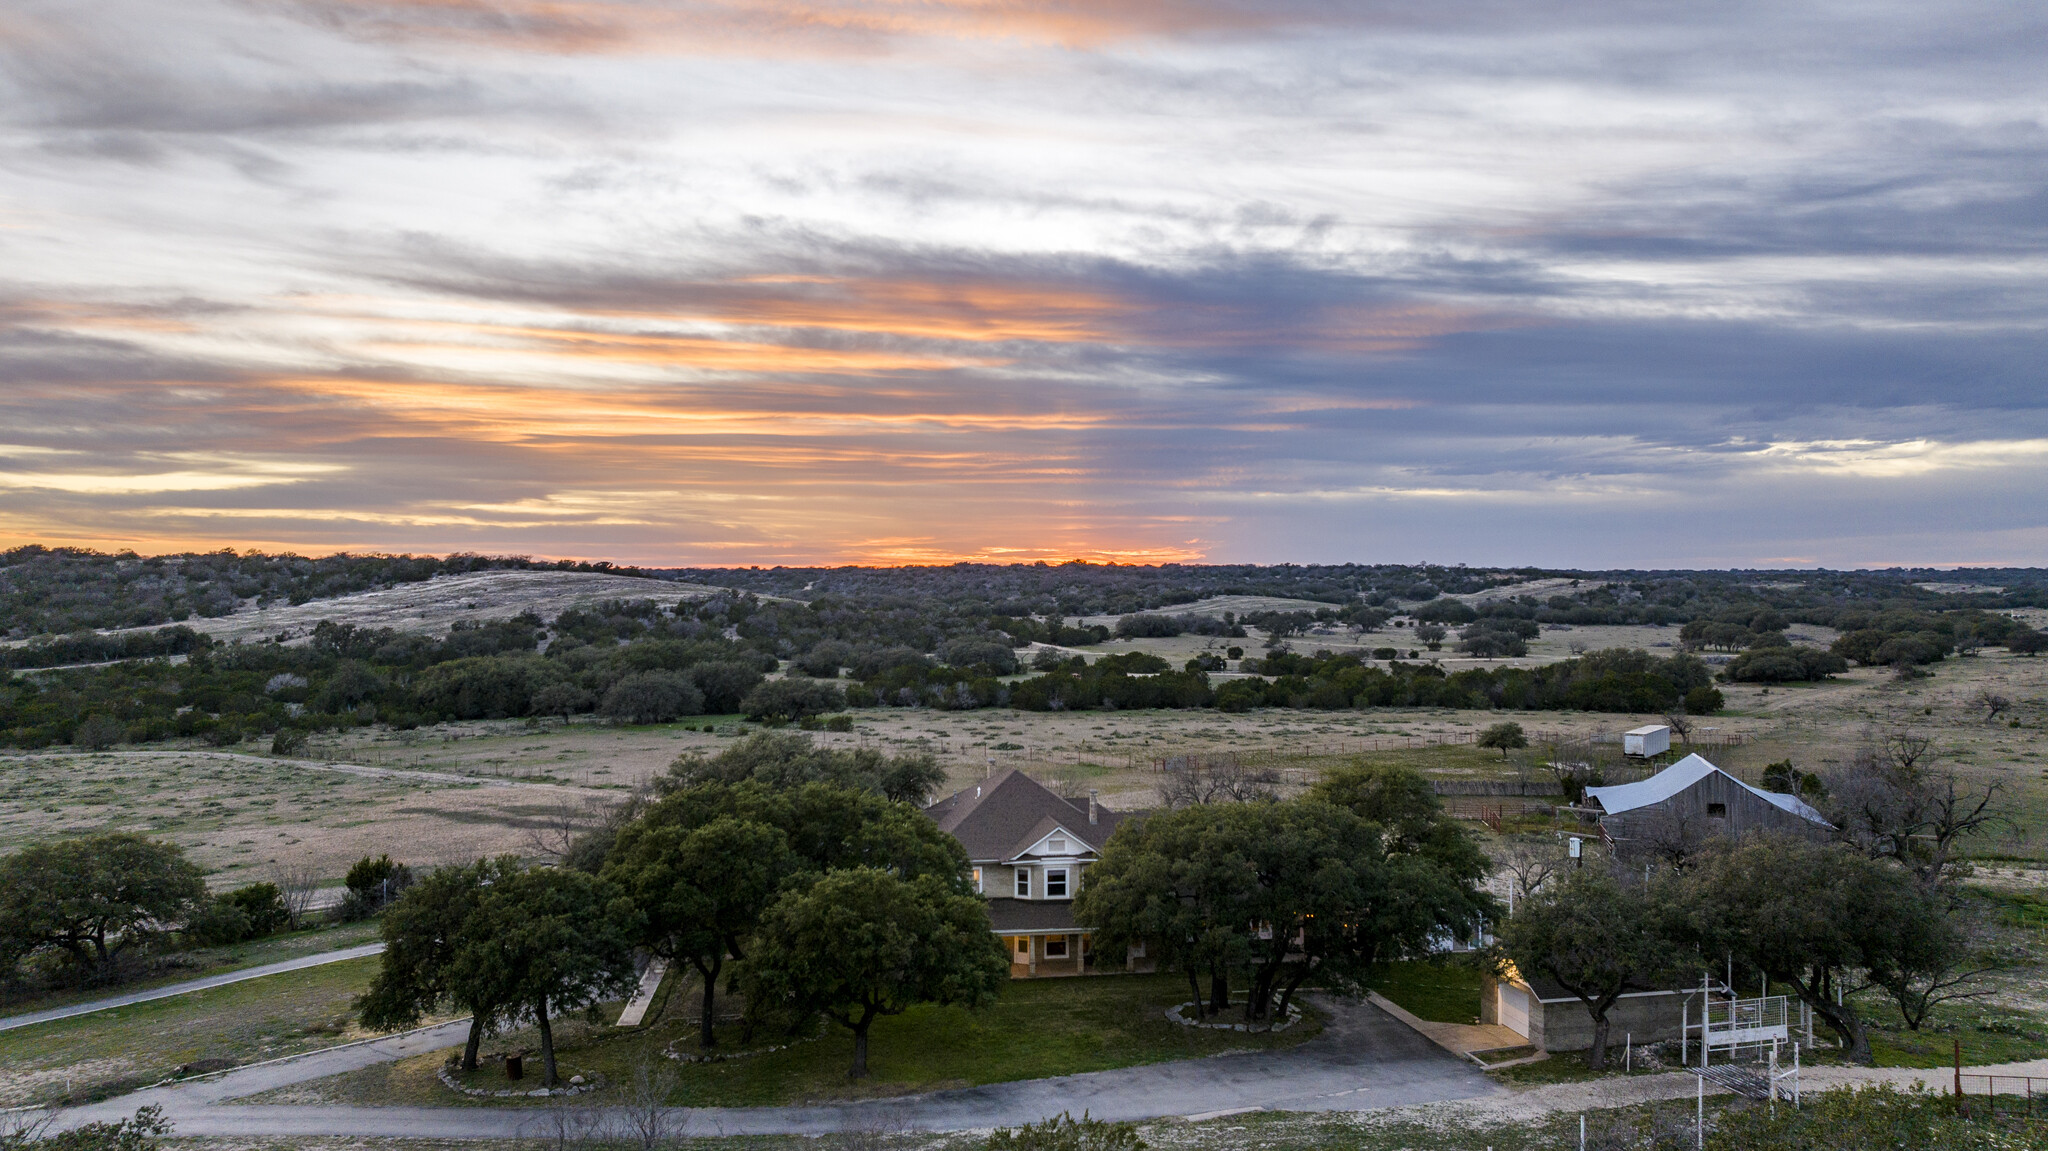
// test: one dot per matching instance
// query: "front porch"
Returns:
(1045, 954)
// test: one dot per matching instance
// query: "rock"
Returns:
(576, 1080)
(540, 1092)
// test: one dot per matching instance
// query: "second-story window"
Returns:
(1023, 883)
(1055, 882)
(977, 879)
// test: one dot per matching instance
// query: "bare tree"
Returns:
(552, 833)
(1953, 974)
(1664, 833)
(1680, 724)
(564, 1127)
(298, 884)
(1992, 702)
(869, 1129)
(1888, 801)
(1529, 862)
(646, 1120)
(1186, 780)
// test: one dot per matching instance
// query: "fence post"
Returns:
(1959, 1070)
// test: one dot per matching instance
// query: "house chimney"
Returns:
(1091, 805)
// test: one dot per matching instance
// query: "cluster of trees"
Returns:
(1272, 894)
(1815, 918)
(810, 878)
(55, 591)
(1869, 910)
(74, 911)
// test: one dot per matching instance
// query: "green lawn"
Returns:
(90, 1056)
(199, 962)
(1988, 1034)
(1437, 992)
(1038, 1028)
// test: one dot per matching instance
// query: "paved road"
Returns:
(165, 992)
(1364, 1059)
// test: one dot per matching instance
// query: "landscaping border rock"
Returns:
(576, 1085)
(723, 1056)
(1173, 1015)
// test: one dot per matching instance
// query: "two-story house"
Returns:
(1029, 847)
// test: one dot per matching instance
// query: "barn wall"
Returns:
(1746, 812)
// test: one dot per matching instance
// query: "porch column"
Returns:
(1031, 941)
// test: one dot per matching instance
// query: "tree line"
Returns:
(55, 591)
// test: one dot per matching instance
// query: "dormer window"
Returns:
(1055, 883)
(1057, 845)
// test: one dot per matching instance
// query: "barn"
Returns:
(1691, 799)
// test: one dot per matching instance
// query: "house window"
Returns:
(1055, 883)
(977, 881)
(1056, 845)
(1056, 948)
(1023, 883)
(1717, 811)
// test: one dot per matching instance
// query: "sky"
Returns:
(1584, 283)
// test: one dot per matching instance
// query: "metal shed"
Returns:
(1653, 739)
(1695, 795)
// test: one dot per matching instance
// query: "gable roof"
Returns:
(1011, 812)
(1682, 775)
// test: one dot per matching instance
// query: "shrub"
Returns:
(217, 924)
(785, 700)
(98, 733)
(1503, 737)
(970, 652)
(1147, 626)
(372, 885)
(563, 699)
(263, 904)
(1704, 701)
(652, 697)
(1066, 1133)
(288, 741)
(724, 684)
(1784, 665)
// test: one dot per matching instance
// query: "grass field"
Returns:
(92, 1056)
(178, 966)
(1038, 1028)
(1436, 992)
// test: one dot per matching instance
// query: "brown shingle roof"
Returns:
(993, 820)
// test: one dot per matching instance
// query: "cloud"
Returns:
(703, 280)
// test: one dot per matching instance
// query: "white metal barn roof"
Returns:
(1681, 775)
